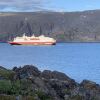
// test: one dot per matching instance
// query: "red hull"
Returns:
(32, 43)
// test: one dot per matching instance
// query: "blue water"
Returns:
(78, 60)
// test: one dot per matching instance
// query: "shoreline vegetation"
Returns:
(29, 83)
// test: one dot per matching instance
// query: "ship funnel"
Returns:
(33, 35)
(24, 34)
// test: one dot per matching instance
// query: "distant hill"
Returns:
(63, 26)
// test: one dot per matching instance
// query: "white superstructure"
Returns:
(33, 40)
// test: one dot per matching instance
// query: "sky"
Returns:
(48, 5)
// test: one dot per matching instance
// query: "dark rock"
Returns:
(28, 71)
(53, 85)
(60, 82)
(2, 78)
(2, 68)
(54, 75)
(90, 85)
(14, 68)
(57, 77)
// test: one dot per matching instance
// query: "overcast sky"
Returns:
(52, 5)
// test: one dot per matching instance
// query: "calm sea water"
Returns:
(78, 60)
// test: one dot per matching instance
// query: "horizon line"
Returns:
(48, 11)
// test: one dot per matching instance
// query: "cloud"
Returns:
(22, 5)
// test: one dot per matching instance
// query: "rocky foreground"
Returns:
(28, 83)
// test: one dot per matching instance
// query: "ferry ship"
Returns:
(33, 40)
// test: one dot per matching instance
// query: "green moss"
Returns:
(95, 98)
(8, 87)
(43, 96)
(67, 91)
(13, 97)
(61, 37)
(6, 97)
(16, 87)
(26, 87)
(5, 86)
(7, 74)
(77, 97)
(28, 98)
(3, 36)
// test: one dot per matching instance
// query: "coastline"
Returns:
(29, 82)
(67, 42)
